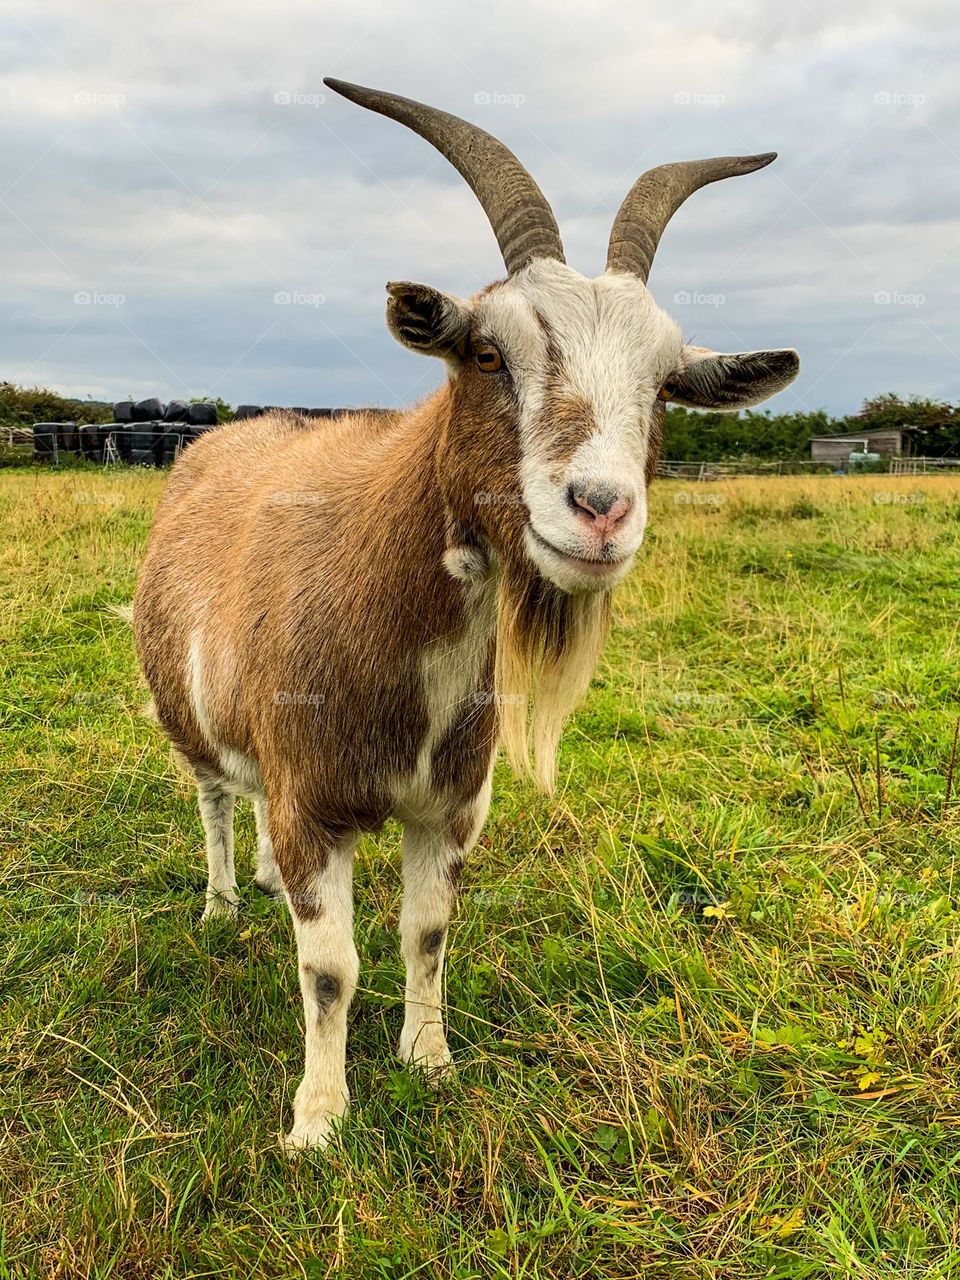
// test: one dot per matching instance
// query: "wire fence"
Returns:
(896, 466)
(922, 466)
(671, 470)
(159, 444)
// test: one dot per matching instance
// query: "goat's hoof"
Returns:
(272, 888)
(219, 908)
(311, 1135)
(432, 1061)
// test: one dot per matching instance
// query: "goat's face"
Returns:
(557, 396)
(555, 418)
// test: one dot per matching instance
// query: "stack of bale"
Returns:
(147, 432)
(144, 432)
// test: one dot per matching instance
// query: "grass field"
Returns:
(704, 1004)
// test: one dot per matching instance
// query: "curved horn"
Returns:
(656, 196)
(522, 220)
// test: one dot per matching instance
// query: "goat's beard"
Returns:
(548, 644)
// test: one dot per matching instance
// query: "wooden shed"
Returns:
(888, 442)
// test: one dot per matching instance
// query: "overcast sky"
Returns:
(186, 211)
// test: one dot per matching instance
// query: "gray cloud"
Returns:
(181, 165)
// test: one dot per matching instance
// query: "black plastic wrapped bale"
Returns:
(248, 411)
(174, 438)
(142, 442)
(202, 414)
(45, 441)
(123, 411)
(68, 438)
(103, 431)
(191, 434)
(123, 440)
(148, 410)
(176, 411)
(164, 444)
(91, 445)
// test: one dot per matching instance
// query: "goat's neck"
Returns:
(446, 564)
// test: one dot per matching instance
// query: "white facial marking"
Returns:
(606, 346)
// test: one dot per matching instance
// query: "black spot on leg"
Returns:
(432, 942)
(326, 990)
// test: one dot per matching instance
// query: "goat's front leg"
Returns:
(432, 861)
(318, 877)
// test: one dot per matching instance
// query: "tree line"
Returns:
(690, 436)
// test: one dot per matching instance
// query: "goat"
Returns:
(342, 620)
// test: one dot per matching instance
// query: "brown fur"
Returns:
(310, 558)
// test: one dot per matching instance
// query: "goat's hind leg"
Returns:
(267, 878)
(217, 800)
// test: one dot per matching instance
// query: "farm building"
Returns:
(888, 442)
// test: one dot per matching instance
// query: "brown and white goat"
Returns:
(342, 620)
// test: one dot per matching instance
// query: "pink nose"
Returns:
(605, 508)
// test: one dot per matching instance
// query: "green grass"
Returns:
(704, 1004)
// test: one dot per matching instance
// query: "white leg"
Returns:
(217, 802)
(267, 877)
(431, 863)
(321, 904)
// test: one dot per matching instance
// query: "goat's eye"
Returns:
(668, 391)
(489, 359)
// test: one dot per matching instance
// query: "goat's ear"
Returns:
(428, 321)
(710, 380)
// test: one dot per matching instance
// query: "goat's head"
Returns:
(558, 381)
